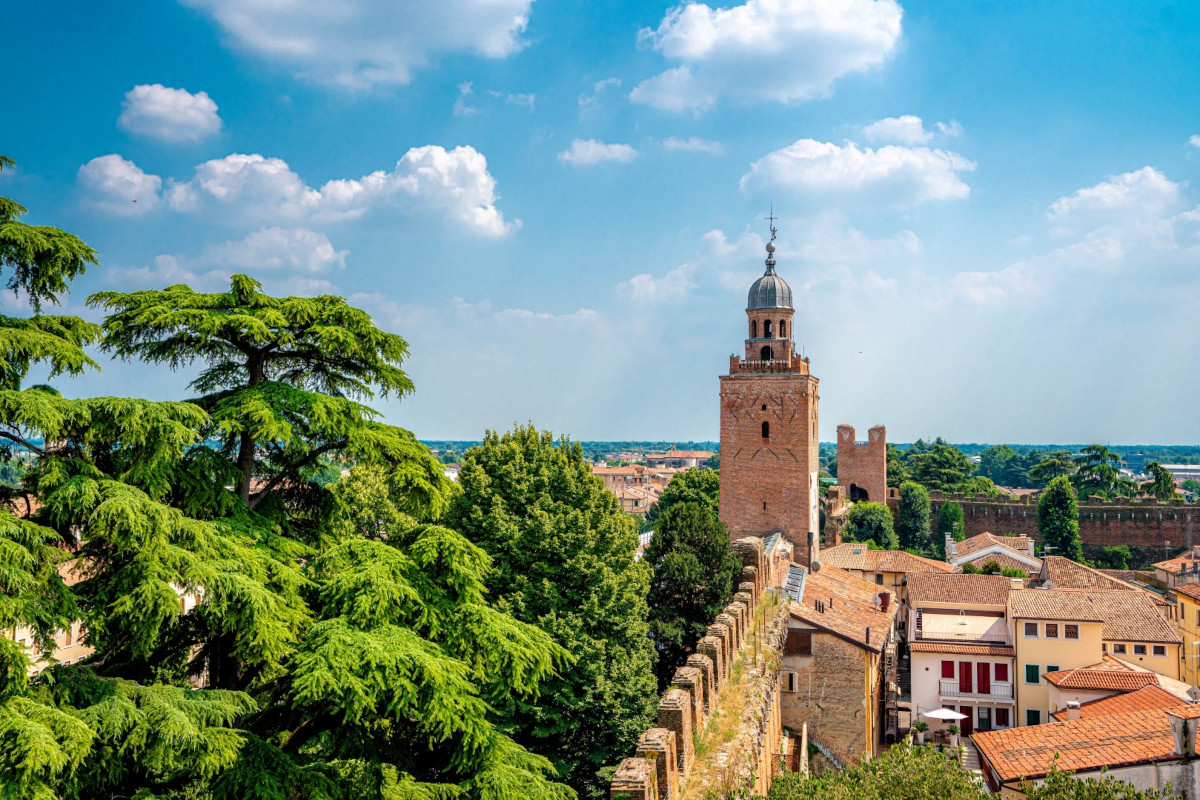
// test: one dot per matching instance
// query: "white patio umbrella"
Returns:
(943, 714)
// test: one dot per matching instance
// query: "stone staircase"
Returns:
(971, 761)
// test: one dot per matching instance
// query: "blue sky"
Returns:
(988, 210)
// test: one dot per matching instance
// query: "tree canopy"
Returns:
(563, 559)
(913, 517)
(1058, 519)
(701, 486)
(871, 522)
(277, 633)
(694, 579)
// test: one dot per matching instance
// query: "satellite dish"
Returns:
(815, 566)
(1194, 693)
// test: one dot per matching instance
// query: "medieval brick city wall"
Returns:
(862, 468)
(769, 483)
(1142, 524)
(665, 765)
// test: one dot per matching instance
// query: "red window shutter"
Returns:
(947, 669)
(1002, 715)
(964, 676)
(1002, 672)
(983, 672)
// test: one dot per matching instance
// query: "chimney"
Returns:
(868, 634)
(1017, 583)
(885, 601)
(1183, 734)
(951, 548)
(811, 555)
(1072, 710)
(1031, 547)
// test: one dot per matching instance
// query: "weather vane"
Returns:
(771, 217)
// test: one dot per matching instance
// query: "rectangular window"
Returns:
(1160, 649)
(879, 579)
(789, 681)
(1001, 717)
(1031, 631)
(1033, 716)
(1198, 616)
(1031, 674)
(983, 677)
(1119, 649)
(948, 669)
(1139, 649)
(1002, 672)
(964, 677)
(1070, 631)
(799, 643)
(1051, 630)
(1103, 648)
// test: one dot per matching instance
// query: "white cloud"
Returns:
(290, 259)
(454, 184)
(591, 101)
(694, 144)
(525, 100)
(118, 186)
(583, 152)
(1143, 193)
(364, 43)
(779, 50)
(670, 288)
(172, 115)
(462, 105)
(1194, 141)
(902, 175)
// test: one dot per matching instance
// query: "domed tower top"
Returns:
(769, 291)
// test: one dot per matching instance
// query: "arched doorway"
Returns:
(857, 494)
(766, 354)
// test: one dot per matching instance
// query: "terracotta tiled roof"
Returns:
(1063, 573)
(1102, 679)
(1080, 745)
(1144, 699)
(1004, 560)
(1126, 575)
(963, 649)
(988, 590)
(1191, 590)
(1052, 604)
(847, 607)
(983, 540)
(673, 453)
(858, 556)
(1133, 617)
(1185, 561)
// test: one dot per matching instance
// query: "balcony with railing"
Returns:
(998, 691)
(961, 628)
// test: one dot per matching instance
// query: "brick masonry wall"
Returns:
(863, 465)
(769, 484)
(830, 692)
(1140, 525)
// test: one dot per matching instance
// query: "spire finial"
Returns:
(771, 244)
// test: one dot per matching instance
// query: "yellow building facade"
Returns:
(1187, 625)
(1051, 631)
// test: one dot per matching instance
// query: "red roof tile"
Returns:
(1144, 699)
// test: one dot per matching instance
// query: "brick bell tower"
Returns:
(769, 399)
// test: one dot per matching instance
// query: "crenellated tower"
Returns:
(769, 456)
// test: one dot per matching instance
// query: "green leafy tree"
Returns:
(1013, 572)
(694, 579)
(563, 555)
(999, 463)
(1095, 473)
(913, 517)
(701, 486)
(990, 567)
(871, 522)
(1056, 464)
(1163, 484)
(281, 379)
(943, 467)
(1058, 519)
(897, 467)
(903, 772)
(1116, 557)
(1191, 485)
(949, 521)
(970, 569)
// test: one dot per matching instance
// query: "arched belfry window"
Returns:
(766, 428)
(753, 329)
(767, 329)
(782, 329)
(766, 353)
